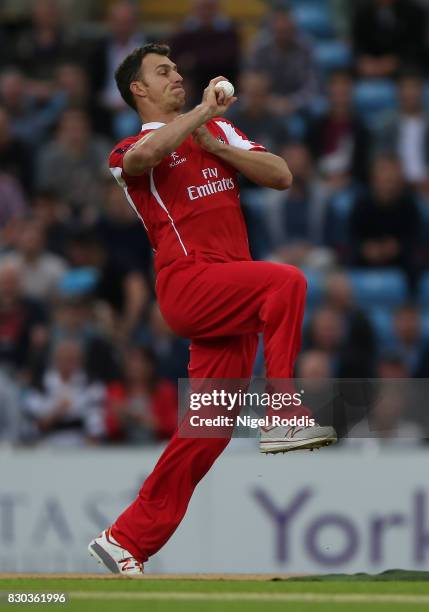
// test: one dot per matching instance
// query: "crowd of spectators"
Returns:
(340, 93)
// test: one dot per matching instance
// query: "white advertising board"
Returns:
(331, 511)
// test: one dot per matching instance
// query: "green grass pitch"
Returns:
(389, 592)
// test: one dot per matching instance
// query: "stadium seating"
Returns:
(338, 212)
(382, 288)
(78, 282)
(333, 55)
(314, 19)
(373, 97)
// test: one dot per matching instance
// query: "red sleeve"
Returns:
(236, 137)
(116, 157)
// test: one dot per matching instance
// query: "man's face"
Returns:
(411, 95)
(387, 180)
(162, 84)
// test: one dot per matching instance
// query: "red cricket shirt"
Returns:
(190, 202)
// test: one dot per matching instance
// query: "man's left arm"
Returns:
(263, 168)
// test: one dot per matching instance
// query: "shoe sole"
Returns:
(281, 447)
(103, 557)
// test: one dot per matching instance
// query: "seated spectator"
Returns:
(360, 334)
(287, 60)
(384, 224)
(142, 407)
(81, 319)
(328, 331)
(23, 323)
(314, 365)
(295, 216)
(206, 45)
(405, 132)
(172, 352)
(74, 164)
(123, 36)
(390, 365)
(41, 271)
(122, 233)
(315, 371)
(388, 34)
(45, 42)
(252, 116)
(390, 422)
(31, 118)
(338, 139)
(325, 332)
(408, 341)
(126, 293)
(15, 155)
(67, 410)
(72, 81)
(54, 217)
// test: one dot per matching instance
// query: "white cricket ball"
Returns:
(226, 87)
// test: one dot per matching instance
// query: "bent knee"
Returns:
(294, 276)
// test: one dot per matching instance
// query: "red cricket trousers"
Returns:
(222, 307)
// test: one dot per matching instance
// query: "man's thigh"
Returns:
(228, 357)
(209, 300)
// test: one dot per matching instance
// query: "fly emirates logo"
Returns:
(213, 185)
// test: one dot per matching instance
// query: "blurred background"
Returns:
(339, 88)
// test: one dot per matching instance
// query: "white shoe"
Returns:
(111, 554)
(284, 439)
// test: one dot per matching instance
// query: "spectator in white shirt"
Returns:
(67, 410)
(41, 271)
(406, 131)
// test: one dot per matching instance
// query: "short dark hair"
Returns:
(129, 70)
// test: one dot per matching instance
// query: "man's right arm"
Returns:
(149, 151)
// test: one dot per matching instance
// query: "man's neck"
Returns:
(159, 117)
